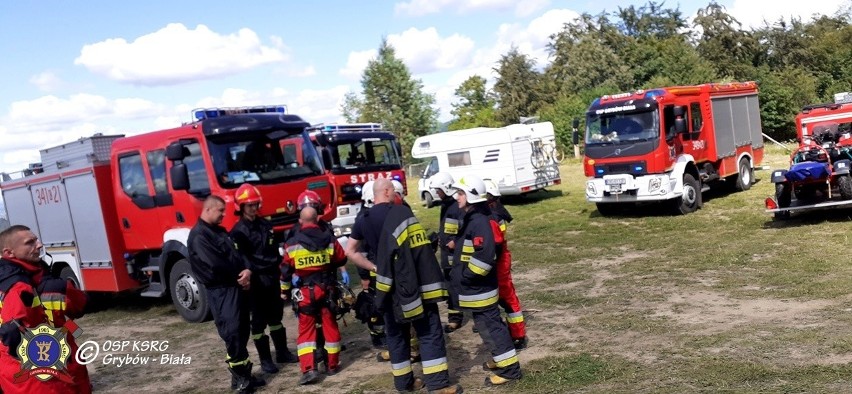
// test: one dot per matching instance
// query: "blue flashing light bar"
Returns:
(654, 93)
(350, 127)
(209, 113)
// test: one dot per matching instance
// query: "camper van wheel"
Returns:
(691, 199)
(844, 182)
(68, 274)
(745, 175)
(427, 199)
(188, 294)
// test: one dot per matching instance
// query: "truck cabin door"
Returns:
(141, 190)
(188, 203)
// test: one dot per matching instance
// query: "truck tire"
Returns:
(68, 274)
(745, 175)
(691, 198)
(188, 294)
(427, 199)
(606, 209)
(783, 196)
(844, 183)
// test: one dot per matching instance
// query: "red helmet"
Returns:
(310, 198)
(247, 194)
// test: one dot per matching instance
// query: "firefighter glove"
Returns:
(344, 277)
(10, 333)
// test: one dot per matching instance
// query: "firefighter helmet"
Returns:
(310, 198)
(367, 194)
(247, 194)
(342, 300)
(491, 188)
(397, 187)
(472, 187)
(442, 181)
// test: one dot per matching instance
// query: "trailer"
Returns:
(518, 158)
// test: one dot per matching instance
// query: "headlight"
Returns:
(654, 184)
(590, 188)
(337, 232)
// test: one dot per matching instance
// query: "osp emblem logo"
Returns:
(44, 354)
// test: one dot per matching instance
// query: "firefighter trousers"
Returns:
(267, 307)
(454, 315)
(496, 337)
(230, 308)
(433, 350)
(313, 307)
(508, 297)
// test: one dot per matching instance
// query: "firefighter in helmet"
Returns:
(314, 255)
(310, 198)
(474, 278)
(506, 287)
(256, 241)
(448, 227)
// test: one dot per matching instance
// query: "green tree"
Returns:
(351, 107)
(517, 87)
(783, 93)
(392, 97)
(732, 51)
(475, 107)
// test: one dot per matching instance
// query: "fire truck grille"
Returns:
(284, 219)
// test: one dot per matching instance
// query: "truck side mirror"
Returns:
(326, 159)
(176, 151)
(679, 111)
(680, 125)
(179, 176)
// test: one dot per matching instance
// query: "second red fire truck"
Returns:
(670, 144)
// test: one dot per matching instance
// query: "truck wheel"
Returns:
(427, 199)
(844, 182)
(607, 209)
(783, 195)
(68, 274)
(188, 294)
(691, 198)
(745, 176)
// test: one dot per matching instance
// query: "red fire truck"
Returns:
(352, 155)
(114, 212)
(671, 144)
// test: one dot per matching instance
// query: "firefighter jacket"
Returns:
(448, 228)
(322, 224)
(256, 240)
(473, 279)
(213, 256)
(408, 275)
(500, 214)
(314, 255)
(19, 301)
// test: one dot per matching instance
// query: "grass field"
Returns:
(721, 299)
(724, 299)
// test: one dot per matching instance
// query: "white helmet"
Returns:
(442, 181)
(473, 187)
(397, 187)
(367, 194)
(491, 188)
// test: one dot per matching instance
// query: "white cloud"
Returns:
(752, 13)
(303, 72)
(521, 8)
(424, 51)
(356, 63)
(175, 54)
(46, 81)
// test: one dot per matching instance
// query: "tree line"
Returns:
(796, 63)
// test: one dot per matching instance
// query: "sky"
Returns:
(75, 68)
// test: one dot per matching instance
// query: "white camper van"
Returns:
(519, 157)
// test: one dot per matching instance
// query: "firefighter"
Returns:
(310, 198)
(448, 228)
(365, 306)
(314, 255)
(21, 273)
(226, 275)
(474, 279)
(257, 242)
(506, 287)
(409, 285)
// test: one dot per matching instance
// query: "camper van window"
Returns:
(459, 159)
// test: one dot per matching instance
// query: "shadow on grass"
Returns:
(532, 198)
(123, 302)
(811, 218)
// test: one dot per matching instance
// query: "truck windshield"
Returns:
(266, 158)
(621, 127)
(364, 155)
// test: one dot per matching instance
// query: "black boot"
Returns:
(265, 355)
(282, 353)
